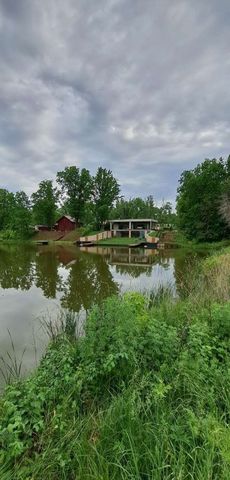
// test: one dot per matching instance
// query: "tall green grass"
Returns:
(143, 395)
(10, 364)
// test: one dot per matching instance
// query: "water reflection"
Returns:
(82, 276)
(130, 261)
(37, 281)
(78, 278)
(46, 274)
(89, 282)
(16, 269)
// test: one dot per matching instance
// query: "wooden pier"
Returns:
(137, 245)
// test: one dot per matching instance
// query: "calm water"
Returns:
(39, 281)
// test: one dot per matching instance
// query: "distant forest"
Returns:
(202, 204)
(90, 200)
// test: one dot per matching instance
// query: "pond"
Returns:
(37, 282)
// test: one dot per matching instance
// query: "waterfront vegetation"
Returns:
(143, 395)
(181, 241)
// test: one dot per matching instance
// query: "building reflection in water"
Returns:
(78, 278)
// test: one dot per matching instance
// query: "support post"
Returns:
(130, 232)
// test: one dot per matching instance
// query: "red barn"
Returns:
(65, 224)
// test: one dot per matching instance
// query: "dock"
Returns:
(137, 245)
(85, 244)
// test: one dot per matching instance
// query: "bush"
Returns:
(144, 395)
(8, 235)
(155, 233)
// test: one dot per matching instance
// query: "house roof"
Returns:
(134, 220)
(71, 219)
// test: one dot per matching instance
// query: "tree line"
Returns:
(202, 204)
(144, 208)
(84, 197)
(90, 200)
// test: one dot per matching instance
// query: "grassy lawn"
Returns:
(119, 241)
(182, 242)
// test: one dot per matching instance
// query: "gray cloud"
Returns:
(140, 87)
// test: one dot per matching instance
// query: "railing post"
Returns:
(130, 232)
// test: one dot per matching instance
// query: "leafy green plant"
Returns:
(8, 235)
(10, 364)
(154, 233)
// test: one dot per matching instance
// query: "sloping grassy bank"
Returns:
(57, 236)
(181, 241)
(119, 241)
(144, 395)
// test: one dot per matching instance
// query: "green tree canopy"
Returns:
(6, 208)
(21, 215)
(44, 202)
(225, 203)
(132, 208)
(144, 208)
(166, 214)
(105, 191)
(198, 200)
(76, 190)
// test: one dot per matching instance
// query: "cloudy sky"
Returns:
(138, 86)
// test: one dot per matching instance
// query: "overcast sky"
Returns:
(138, 86)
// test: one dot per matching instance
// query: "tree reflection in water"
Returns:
(81, 277)
(38, 280)
(16, 267)
(89, 282)
(46, 272)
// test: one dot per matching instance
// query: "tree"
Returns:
(121, 209)
(45, 203)
(105, 191)
(6, 208)
(135, 208)
(224, 208)
(198, 200)
(152, 210)
(165, 214)
(76, 190)
(21, 215)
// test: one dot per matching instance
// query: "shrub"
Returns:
(8, 235)
(144, 394)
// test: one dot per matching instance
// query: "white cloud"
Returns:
(139, 87)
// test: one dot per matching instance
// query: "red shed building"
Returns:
(65, 224)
